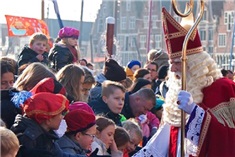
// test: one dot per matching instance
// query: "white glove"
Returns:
(185, 101)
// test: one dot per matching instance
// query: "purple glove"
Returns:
(185, 101)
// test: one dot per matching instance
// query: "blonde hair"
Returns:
(108, 87)
(132, 125)
(38, 37)
(9, 142)
(31, 75)
(69, 76)
(66, 43)
(202, 72)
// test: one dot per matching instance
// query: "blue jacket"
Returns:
(70, 146)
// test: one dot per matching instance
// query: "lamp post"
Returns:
(149, 25)
(42, 10)
(81, 24)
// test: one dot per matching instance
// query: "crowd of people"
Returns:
(53, 105)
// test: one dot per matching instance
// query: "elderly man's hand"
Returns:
(185, 101)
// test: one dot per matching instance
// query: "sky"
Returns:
(69, 9)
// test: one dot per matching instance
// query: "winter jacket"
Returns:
(29, 56)
(8, 108)
(35, 140)
(60, 56)
(95, 93)
(101, 108)
(70, 146)
(97, 143)
(126, 111)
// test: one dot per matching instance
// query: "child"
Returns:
(131, 67)
(136, 136)
(9, 143)
(81, 130)
(36, 52)
(7, 75)
(89, 81)
(105, 138)
(112, 101)
(121, 138)
(43, 114)
(72, 77)
(31, 75)
(64, 52)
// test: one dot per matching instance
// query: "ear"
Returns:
(97, 133)
(104, 99)
(137, 98)
(77, 136)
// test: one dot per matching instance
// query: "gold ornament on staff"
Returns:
(190, 6)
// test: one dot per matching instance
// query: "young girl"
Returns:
(32, 74)
(131, 67)
(121, 137)
(64, 52)
(105, 138)
(72, 77)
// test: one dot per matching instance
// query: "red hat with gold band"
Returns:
(43, 106)
(175, 34)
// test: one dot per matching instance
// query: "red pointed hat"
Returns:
(175, 34)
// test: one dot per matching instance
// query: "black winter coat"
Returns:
(60, 56)
(8, 109)
(35, 141)
(29, 56)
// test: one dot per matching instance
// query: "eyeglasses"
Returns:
(92, 136)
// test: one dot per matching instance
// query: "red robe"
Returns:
(218, 130)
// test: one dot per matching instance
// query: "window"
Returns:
(146, 23)
(204, 17)
(132, 41)
(158, 40)
(121, 42)
(123, 23)
(142, 41)
(210, 35)
(222, 40)
(210, 49)
(154, 21)
(229, 19)
(132, 22)
(225, 17)
(101, 25)
(128, 5)
(203, 35)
